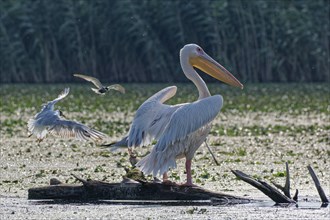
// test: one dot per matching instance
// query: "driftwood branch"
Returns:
(295, 197)
(264, 187)
(317, 183)
(286, 188)
(274, 194)
(127, 190)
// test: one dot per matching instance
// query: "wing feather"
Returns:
(50, 104)
(117, 87)
(189, 118)
(72, 129)
(151, 118)
(91, 79)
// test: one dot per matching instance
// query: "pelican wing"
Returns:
(95, 81)
(189, 118)
(151, 118)
(50, 105)
(72, 129)
(117, 87)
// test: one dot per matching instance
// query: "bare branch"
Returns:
(80, 179)
(295, 197)
(286, 189)
(213, 156)
(317, 185)
(264, 187)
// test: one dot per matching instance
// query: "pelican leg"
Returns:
(165, 176)
(129, 150)
(166, 181)
(189, 177)
(188, 169)
(132, 156)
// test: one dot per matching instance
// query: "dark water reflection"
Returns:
(299, 205)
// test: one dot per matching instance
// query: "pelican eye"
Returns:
(199, 50)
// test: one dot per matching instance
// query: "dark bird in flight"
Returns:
(100, 89)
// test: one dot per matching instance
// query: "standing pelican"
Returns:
(48, 120)
(179, 129)
(100, 89)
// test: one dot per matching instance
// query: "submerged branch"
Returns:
(286, 188)
(318, 185)
(264, 187)
(287, 181)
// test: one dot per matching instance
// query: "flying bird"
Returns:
(178, 129)
(51, 121)
(100, 89)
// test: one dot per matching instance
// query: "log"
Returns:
(139, 191)
(129, 190)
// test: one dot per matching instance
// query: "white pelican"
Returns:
(48, 120)
(179, 129)
(100, 89)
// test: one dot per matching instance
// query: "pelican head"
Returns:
(201, 60)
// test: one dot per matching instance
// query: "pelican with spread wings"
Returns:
(178, 129)
(50, 121)
(101, 89)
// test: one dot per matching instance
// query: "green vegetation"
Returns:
(259, 130)
(42, 173)
(279, 174)
(139, 40)
(174, 175)
(287, 99)
(99, 169)
(293, 99)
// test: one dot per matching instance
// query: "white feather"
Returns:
(151, 118)
(183, 134)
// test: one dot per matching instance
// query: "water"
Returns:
(21, 208)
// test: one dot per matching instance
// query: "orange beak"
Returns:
(208, 65)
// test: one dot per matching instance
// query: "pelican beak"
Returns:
(208, 65)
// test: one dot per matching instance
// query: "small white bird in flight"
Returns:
(50, 121)
(100, 89)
